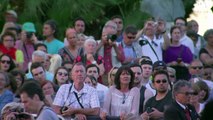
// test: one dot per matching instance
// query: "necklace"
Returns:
(125, 97)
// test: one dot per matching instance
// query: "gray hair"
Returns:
(89, 40)
(12, 106)
(207, 33)
(39, 53)
(178, 85)
(110, 22)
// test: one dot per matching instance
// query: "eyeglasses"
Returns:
(171, 76)
(180, 24)
(61, 73)
(5, 61)
(161, 81)
(207, 74)
(130, 37)
(90, 71)
(196, 67)
(189, 93)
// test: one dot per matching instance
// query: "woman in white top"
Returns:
(122, 98)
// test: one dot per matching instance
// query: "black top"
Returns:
(160, 105)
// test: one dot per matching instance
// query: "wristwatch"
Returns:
(94, 62)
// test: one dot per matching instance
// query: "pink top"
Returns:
(117, 102)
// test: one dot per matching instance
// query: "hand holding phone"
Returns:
(149, 110)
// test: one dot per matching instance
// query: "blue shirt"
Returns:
(53, 46)
(6, 97)
(129, 51)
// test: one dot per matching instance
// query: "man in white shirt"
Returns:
(185, 40)
(77, 98)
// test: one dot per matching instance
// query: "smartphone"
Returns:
(149, 110)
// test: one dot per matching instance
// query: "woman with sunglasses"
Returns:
(7, 64)
(122, 98)
(194, 98)
(61, 76)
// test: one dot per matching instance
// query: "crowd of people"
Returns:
(129, 74)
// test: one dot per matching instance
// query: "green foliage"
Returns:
(96, 13)
(189, 4)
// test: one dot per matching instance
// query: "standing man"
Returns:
(151, 45)
(119, 21)
(146, 65)
(79, 25)
(33, 99)
(185, 40)
(50, 31)
(132, 50)
(180, 109)
(156, 105)
(77, 98)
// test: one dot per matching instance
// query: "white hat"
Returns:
(12, 12)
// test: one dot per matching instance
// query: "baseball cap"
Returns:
(12, 12)
(160, 64)
(28, 27)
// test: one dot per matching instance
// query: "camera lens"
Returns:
(112, 37)
(29, 35)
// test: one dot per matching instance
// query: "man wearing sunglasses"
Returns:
(132, 50)
(196, 70)
(180, 109)
(155, 106)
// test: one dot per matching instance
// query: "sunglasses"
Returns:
(161, 81)
(207, 74)
(189, 93)
(5, 61)
(61, 73)
(130, 37)
(171, 76)
(196, 67)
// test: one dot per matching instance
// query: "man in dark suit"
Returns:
(180, 108)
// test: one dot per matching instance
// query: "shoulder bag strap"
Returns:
(152, 49)
(78, 100)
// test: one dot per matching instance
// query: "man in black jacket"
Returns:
(180, 108)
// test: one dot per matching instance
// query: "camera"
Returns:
(112, 37)
(22, 116)
(64, 108)
(29, 34)
(149, 110)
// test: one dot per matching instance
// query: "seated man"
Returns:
(33, 99)
(77, 98)
(180, 109)
(40, 56)
(156, 105)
